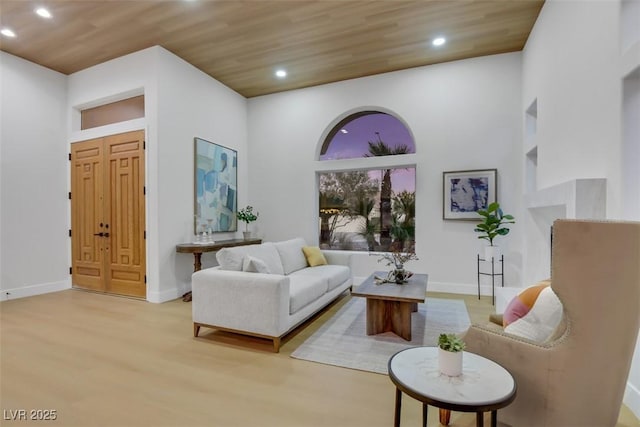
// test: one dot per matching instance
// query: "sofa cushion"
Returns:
(304, 290)
(542, 321)
(334, 275)
(291, 254)
(233, 258)
(252, 264)
(314, 256)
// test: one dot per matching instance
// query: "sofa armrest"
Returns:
(250, 302)
(338, 257)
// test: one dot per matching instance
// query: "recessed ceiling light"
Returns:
(7, 32)
(281, 74)
(41, 11)
(438, 41)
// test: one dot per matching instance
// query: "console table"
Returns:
(197, 249)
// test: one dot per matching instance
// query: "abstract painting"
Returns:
(464, 192)
(216, 177)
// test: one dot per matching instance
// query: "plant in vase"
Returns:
(450, 354)
(247, 215)
(398, 259)
(492, 226)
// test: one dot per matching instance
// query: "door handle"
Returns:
(99, 234)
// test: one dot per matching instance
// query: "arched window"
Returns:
(364, 207)
(351, 137)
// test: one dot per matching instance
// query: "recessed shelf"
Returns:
(582, 198)
(531, 147)
(629, 28)
(630, 60)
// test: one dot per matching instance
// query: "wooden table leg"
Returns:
(445, 417)
(197, 266)
(479, 419)
(197, 261)
(396, 416)
(494, 418)
(389, 316)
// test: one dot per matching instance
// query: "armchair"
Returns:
(577, 379)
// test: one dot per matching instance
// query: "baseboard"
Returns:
(32, 290)
(457, 288)
(632, 399)
(45, 288)
(164, 296)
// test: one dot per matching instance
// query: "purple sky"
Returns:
(401, 179)
(362, 130)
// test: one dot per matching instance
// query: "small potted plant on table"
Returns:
(247, 215)
(450, 354)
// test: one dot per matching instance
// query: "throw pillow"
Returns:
(522, 303)
(314, 256)
(254, 265)
(541, 322)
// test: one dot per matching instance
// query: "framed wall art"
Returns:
(464, 192)
(215, 184)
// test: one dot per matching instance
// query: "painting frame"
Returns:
(458, 203)
(215, 187)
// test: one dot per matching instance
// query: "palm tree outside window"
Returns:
(368, 209)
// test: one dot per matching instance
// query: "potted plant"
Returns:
(450, 349)
(247, 215)
(398, 259)
(492, 226)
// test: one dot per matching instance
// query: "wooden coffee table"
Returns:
(389, 306)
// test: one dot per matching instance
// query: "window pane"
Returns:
(368, 210)
(369, 133)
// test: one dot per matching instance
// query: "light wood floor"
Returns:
(101, 360)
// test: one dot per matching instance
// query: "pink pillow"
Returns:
(522, 303)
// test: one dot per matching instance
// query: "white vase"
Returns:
(247, 235)
(450, 362)
(492, 252)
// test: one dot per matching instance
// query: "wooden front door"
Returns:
(108, 214)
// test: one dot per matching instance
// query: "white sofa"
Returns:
(266, 290)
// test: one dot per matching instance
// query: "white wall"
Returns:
(575, 75)
(181, 102)
(631, 147)
(190, 104)
(117, 79)
(463, 115)
(34, 203)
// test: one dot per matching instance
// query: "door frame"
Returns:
(106, 131)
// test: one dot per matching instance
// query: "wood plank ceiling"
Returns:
(242, 43)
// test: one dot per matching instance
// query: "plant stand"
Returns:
(493, 275)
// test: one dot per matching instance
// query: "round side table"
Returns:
(483, 386)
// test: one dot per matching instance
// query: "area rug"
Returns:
(343, 341)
